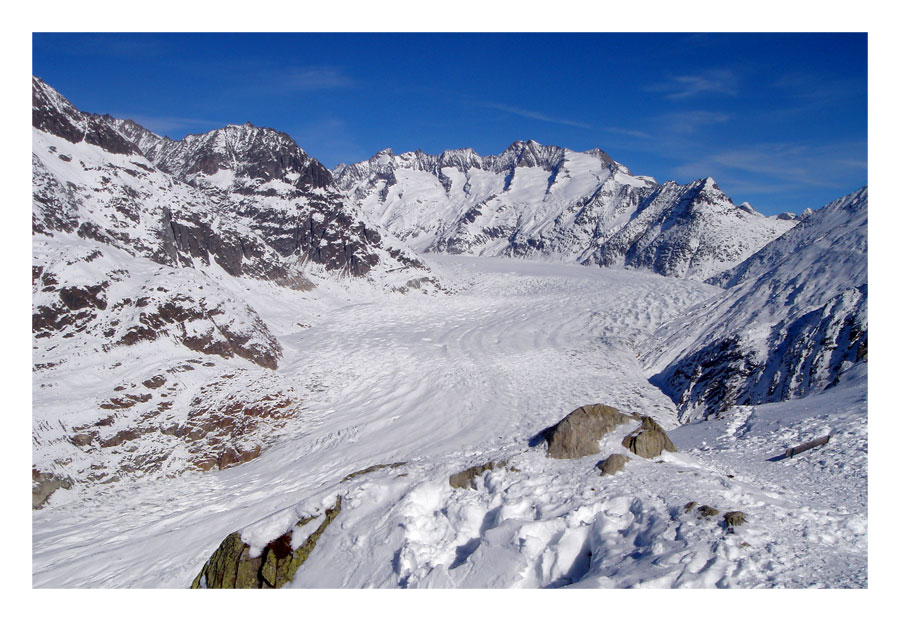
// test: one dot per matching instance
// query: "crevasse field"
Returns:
(446, 382)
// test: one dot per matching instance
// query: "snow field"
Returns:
(448, 382)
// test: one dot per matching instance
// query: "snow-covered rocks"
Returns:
(236, 565)
(691, 231)
(99, 298)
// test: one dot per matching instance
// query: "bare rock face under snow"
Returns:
(466, 478)
(578, 433)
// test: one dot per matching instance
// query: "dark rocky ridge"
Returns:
(54, 114)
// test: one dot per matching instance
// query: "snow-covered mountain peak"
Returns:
(550, 201)
(793, 318)
(382, 156)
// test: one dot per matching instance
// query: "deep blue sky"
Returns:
(779, 120)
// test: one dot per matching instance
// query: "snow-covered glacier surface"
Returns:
(445, 382)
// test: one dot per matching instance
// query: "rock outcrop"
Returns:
(467, 477)
(43, 484)
(578, 433)
(734, 518)
(649, 440)
(232, 566)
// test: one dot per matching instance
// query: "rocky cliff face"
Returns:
(534, 200)
(793, 319)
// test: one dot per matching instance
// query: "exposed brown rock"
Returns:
(613, 464)
(467, 477)
(83, 439)
(649, 440)
(120, 437)
(154, 382)
(578, 434)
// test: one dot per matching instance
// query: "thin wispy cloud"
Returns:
(316, 79)
(797, 165)
(531, 114)
(689, 121)
(631, 133)
(720, 82)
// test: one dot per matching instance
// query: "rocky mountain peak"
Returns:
(604, 156)
(246, 151)
(54, 114)
(529, 154)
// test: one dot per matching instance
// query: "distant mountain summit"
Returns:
(534, 200)
(231, 153)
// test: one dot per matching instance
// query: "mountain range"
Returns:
(553, 203)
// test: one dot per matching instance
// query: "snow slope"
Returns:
(472, 377)
(793, 319)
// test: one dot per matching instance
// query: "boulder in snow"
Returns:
(613, 464)
(649, 440)
(578, 433)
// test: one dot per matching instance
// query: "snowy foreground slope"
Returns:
(472, 377)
